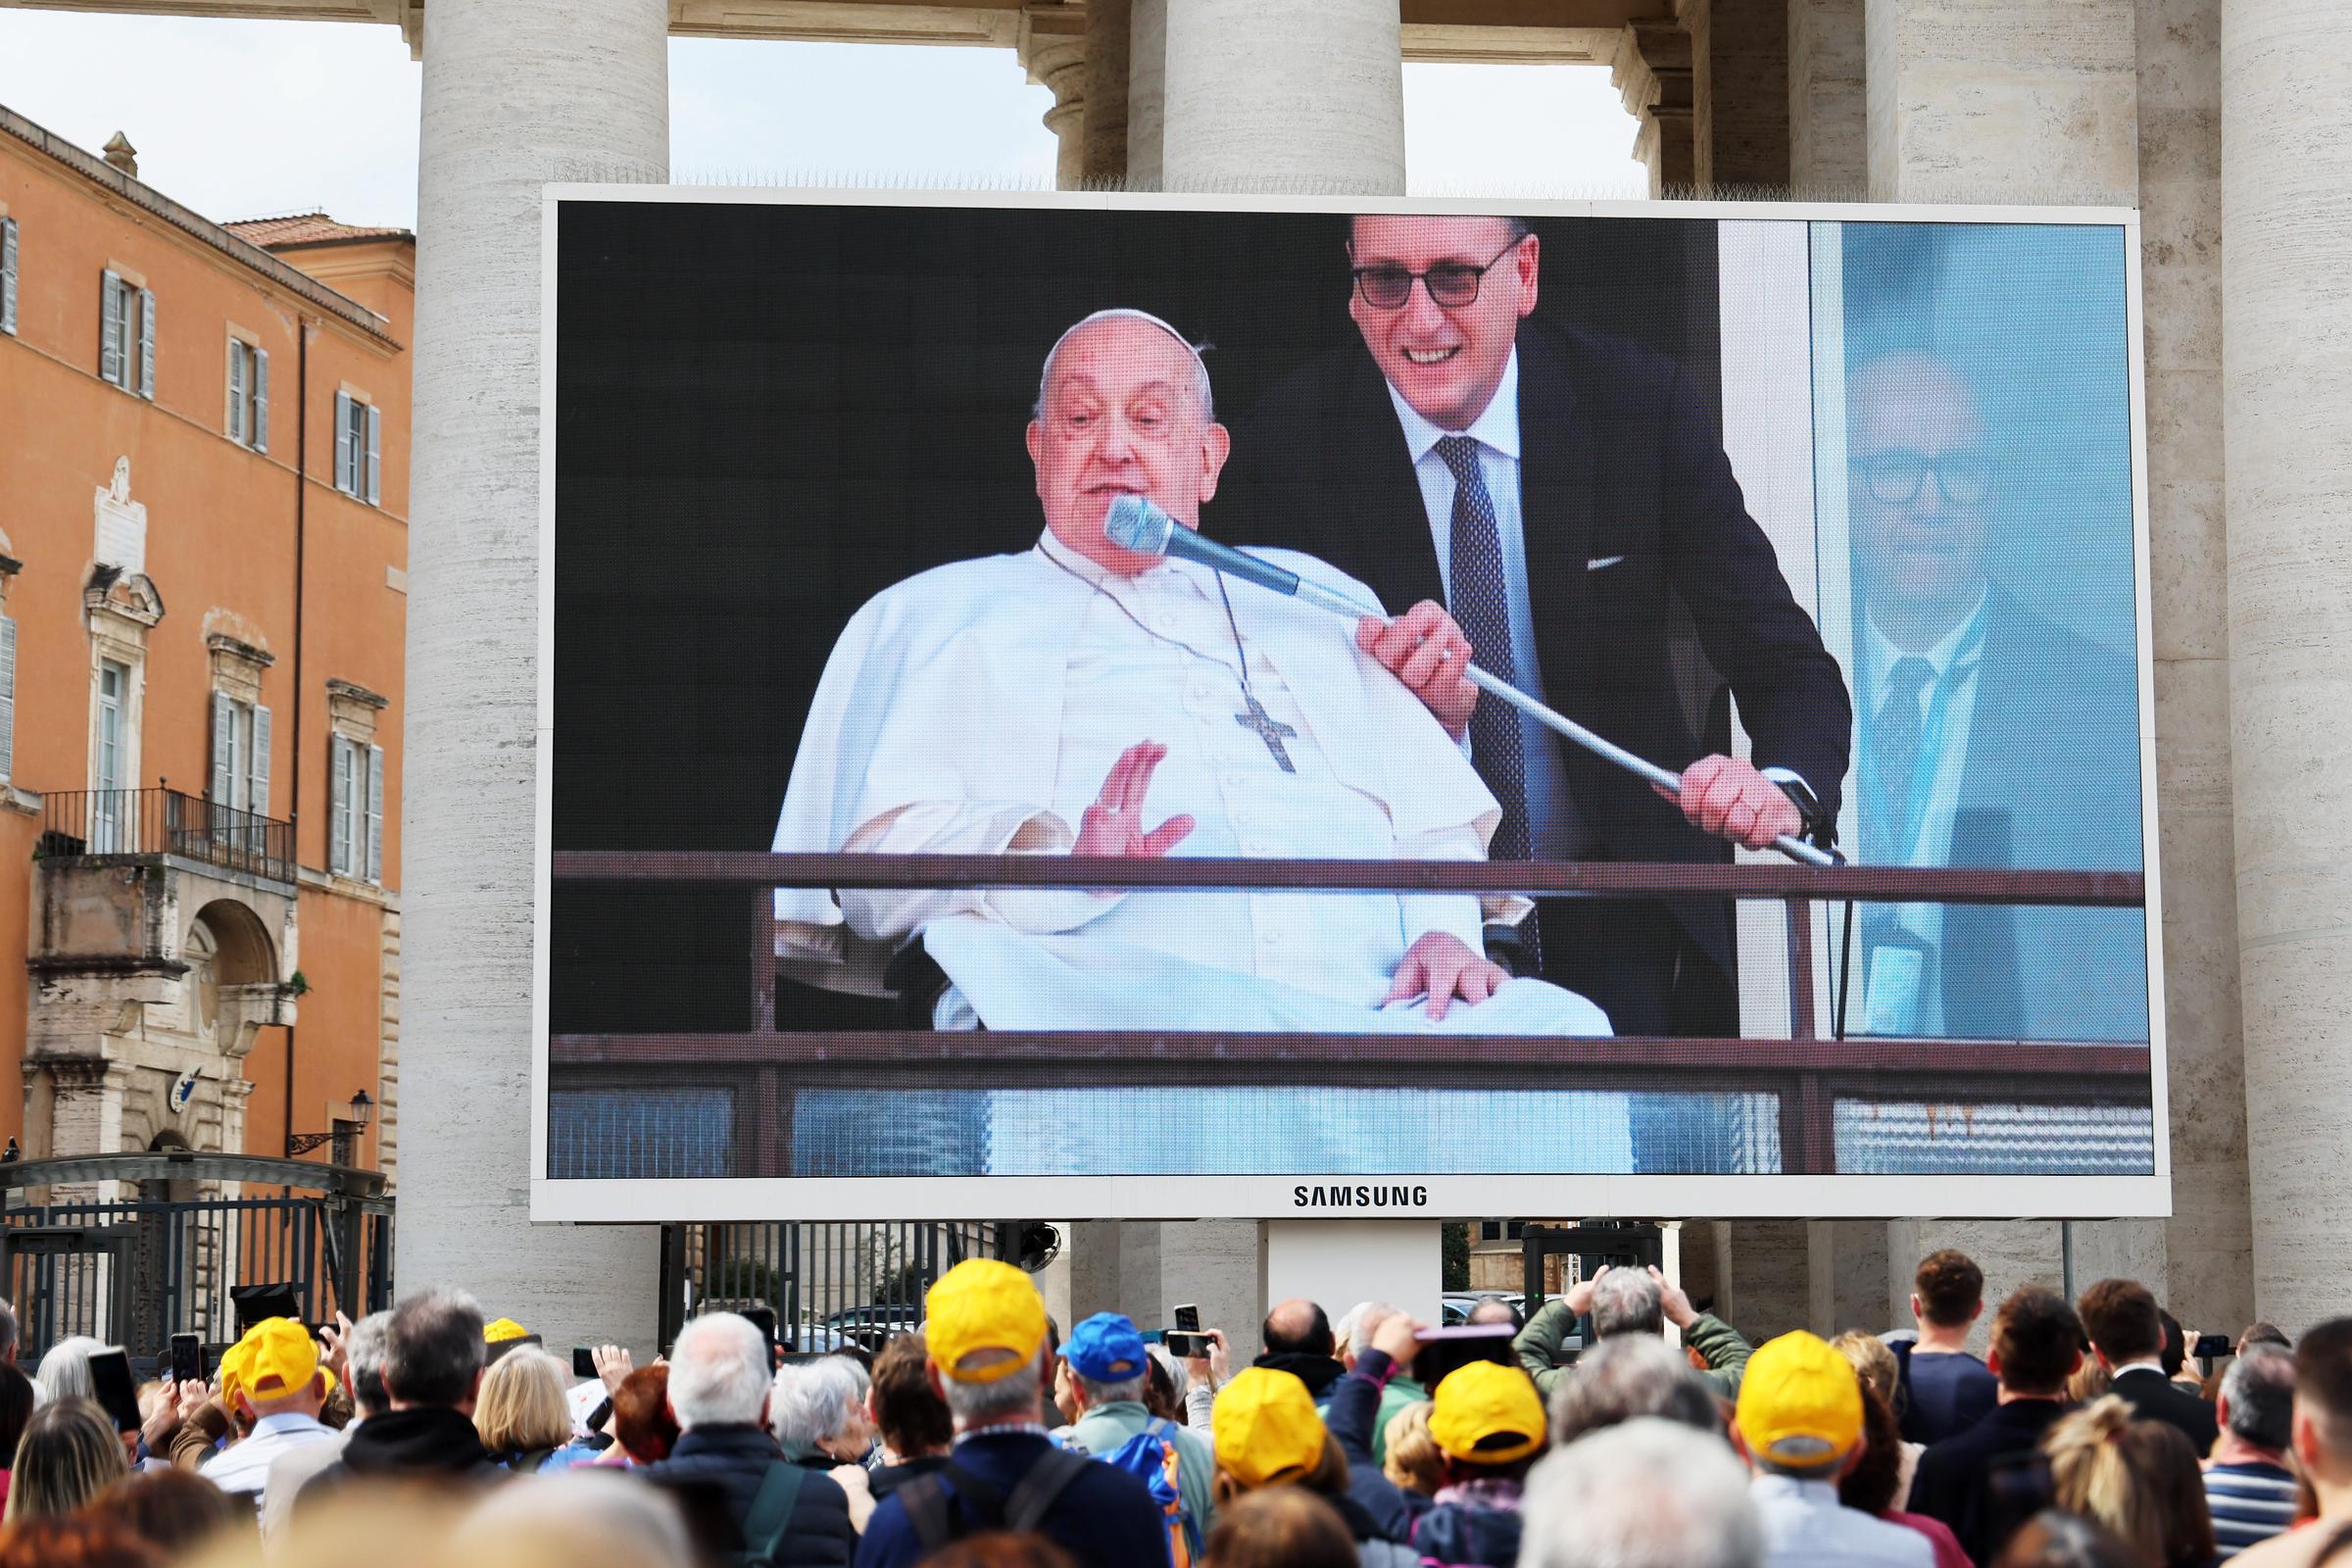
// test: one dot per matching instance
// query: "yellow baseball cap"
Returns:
(1265, 1427)
(1800, 1403)
(229, 1371)
(276, 1357)
(1487, 1413)
(499, 1330)
(979, 1306)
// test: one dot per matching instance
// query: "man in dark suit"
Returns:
(1990, 737)
(1989, 1479)
(2127, 1334)
(1558, 493)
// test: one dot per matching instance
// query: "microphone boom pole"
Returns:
(1135, 523)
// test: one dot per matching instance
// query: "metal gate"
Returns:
(829, 1285)
(134, 1270)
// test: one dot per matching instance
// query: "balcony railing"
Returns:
(129, 824)
(1807, 1076)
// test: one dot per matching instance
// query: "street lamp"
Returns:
(343, 1132)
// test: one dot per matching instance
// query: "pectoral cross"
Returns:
(1266, 727)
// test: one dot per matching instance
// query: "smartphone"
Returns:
(188, 1358)
(1184, 1344)
(2213, 1347)
(583, 1361)
(1443, 1350)
(111, 1386)
(1188, 1318)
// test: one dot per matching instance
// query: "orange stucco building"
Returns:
(203, 439)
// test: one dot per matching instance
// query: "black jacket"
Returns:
(1987, 1481)
(1630, 510)
(431, 1445)
(716, 1472)
(2153, 1396)
(1317, 1372)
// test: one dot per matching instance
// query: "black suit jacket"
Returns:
(1620, 462)
(2051, 781)
(1987, 1481)
(2153, 1396)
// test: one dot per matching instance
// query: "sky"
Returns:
(245, 119)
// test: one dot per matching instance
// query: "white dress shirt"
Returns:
(1805, 1526)
(243, 1467)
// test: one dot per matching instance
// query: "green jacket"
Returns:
(1717, 1342)
(1103, 1428)
(1400, 1392)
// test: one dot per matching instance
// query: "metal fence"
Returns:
(829, 1285)
(136, 1272)
(159, 821)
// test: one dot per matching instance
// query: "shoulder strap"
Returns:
(926, 1504)
(764, 1528)
(1036, 1491)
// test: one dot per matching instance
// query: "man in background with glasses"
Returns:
(1541, 497)
(1991, 737)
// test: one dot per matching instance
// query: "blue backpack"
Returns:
(1151, 1457)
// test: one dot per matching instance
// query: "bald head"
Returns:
(1298, 1327)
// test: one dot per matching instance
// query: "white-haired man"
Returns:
(1650, 1494)
(1632, 1300)
(719, 1393)
(1081, 699)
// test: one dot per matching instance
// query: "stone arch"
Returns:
(240, 949)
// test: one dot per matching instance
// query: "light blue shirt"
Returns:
(1554, 830)
(1805, 1526)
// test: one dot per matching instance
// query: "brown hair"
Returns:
(1871, 1484)
(641, 1420)
(2035, 1336)
(913, 1419)
(1950, 1288)
(1001, 1549)
(53, 1543)
(68, 1455)
(1280, 1527)
(2137, 1478)
(1414, 1460)
(2324, 1382)
(2054, 1539)
(2122, 1319)
(174, 1510)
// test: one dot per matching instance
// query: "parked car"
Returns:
(872, 1326)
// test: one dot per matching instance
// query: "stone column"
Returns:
(1747, 93)
(1147, 82)
(517, 93)
(2287, 356)
(1654, 74)
(1104, 153)
(2208, 1238)
(1828, 105)
(1307, 95)
(1977, 101)
(1052, 48)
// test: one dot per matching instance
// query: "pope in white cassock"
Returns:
(1079, 699)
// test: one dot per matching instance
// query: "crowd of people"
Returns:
(423, 1436)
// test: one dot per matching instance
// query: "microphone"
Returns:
(1136, 524)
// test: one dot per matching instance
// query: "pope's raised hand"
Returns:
(1114, 824)
(1430, 653)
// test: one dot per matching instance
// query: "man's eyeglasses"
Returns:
(1386, 287)
(1896, 478)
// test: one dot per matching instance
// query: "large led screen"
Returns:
(1832, 514)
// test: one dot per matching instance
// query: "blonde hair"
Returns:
(1873, 1363)
(2091, 1381)
(2122, 1474)
(522, 1404)
(1414, 1460)
(68, 1455)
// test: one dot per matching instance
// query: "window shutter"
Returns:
(147, 344)
(236, 391)
(110, 327)
(261, 400)
(376, 813)
(8, 696)
(375, 442)
(7, 275)
(343, 471)
(223, 794)
(338, 815)
(259, 771)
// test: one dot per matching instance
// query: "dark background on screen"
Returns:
(767, 414)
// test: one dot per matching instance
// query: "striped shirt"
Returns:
(2251, 1503)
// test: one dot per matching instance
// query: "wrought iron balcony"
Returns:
(124, 826)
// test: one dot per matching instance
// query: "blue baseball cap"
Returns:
(1106, 1349)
